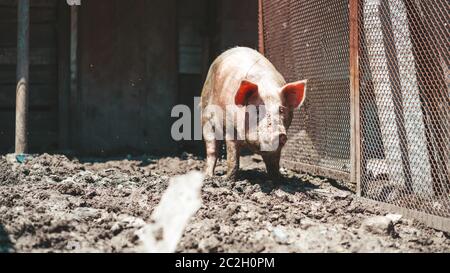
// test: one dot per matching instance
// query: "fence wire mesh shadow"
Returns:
(403, 95)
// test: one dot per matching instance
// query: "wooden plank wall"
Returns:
(206, 28)
(237, 24)
(43, 122)
(128, 76)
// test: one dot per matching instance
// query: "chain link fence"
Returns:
(309, 40)
(404, 103)
(389, 132)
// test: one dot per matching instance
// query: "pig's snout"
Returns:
(282, 139)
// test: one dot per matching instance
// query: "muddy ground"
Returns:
(53, 204)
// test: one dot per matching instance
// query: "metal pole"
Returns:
(355, 176)
(23, 62)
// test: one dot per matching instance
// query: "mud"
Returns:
(55, 204)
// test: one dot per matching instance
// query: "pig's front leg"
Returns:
(272, 162)
(212, 153)
(232, 159)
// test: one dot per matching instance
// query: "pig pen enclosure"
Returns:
(366, 167)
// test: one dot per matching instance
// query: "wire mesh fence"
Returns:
(404, 103)
(401, 111)
(309, 40)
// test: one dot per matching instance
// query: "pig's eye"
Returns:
(283, 109)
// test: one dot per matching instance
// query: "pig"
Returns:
(242, 77)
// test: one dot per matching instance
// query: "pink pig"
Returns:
(242, 78)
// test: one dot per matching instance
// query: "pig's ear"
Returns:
(246, 93)
(294, 94)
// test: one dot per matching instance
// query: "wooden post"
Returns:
(355, 149)
(63, 74)
(74, 96)
(23, 62)
(260, 27)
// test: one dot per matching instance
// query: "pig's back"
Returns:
(233, 66)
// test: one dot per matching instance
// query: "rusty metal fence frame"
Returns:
(358, 162)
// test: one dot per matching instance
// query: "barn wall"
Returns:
(136, 59)
(128, 76)
(238, 23)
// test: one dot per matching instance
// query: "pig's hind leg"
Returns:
(233, 157)
(212, 153)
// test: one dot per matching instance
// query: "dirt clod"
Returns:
(378, 225)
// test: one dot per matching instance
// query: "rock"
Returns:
(86, 213)
(281, 195)
(73, 246)
(380, 225)
(274, 217)
(119, 242)
(117, 228)
(252, 215)
(258, 197)
(132, 222)
(106, 181)
(68, 180)
(244, 208)
(70, 189)
(341, 195)
(11, 158)
(210, 244)
(226, 230)
(91, 194)
(89, 177)
(262, 235)
(395, 218)
(280, 235)
(307, 223)
(232, 209)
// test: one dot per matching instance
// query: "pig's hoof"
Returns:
(275, 175)
(231, 177)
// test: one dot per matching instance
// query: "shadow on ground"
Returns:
(6, 246)
(289, 185)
